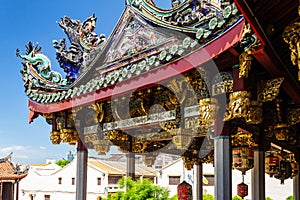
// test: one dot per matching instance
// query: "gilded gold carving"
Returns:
(191, 122)
(242, 139)
(90, 138)
(180, 92)
(168, 125)
(209, 158)
(183, 139)
(139, 147)
(270, 90)
(281, 131)
(293, 116)
(249, 40)
(69, 135)
(55, 137)
(149, 159)
(245, 64)
(197, 84)
(98, 108)
(254, 114)
(222, 87)
(238, 105)
(208, 110)
(291, 36)
(116, 135)
(48, 115)
(222, 84)
(101, 146)
(188, 162)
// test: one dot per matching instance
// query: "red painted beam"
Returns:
(156, 76)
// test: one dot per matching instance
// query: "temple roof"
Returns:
(148, 44)
(8, 171)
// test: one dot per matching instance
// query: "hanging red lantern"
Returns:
(242, 189)
(184, 191)
(243, 158)
(272, 164)
(242, 151)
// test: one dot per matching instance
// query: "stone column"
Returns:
(198, 181)
(223, 171)
(296, 187)
(81, 176)
(130, 170)
(258, 175)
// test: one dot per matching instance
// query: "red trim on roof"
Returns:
(214, 48)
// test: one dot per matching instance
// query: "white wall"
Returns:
(44, 184)
(41, 185)
(274, 189)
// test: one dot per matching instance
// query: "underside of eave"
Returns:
(267, 55)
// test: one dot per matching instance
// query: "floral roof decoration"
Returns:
(144, 39)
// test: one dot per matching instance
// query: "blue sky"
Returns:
(35, 20)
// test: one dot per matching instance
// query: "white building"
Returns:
(50, 182)
(173, 174)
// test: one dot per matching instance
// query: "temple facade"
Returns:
(212, 81)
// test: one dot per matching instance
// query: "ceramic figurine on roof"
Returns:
(84, 45)
(188, 15)
(37, 69)
(40, 80)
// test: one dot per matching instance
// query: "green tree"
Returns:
(268, 198)
(175, 197)
(208, 197)
(290, 198)
(62, 163)
(237, 198)
(142, 189)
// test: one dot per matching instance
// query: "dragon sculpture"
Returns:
(85, 43)
(37, 69)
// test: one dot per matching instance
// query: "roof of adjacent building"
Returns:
(8, 171)
(119, 168)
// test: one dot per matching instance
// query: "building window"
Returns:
(59, 180)
(98, 181)
(73, 181)
(113, 179)
(174, 180)
(210, 179)
(47, 197)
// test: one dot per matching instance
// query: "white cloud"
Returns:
(21, 156)
(42, 147)
(9, 149)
